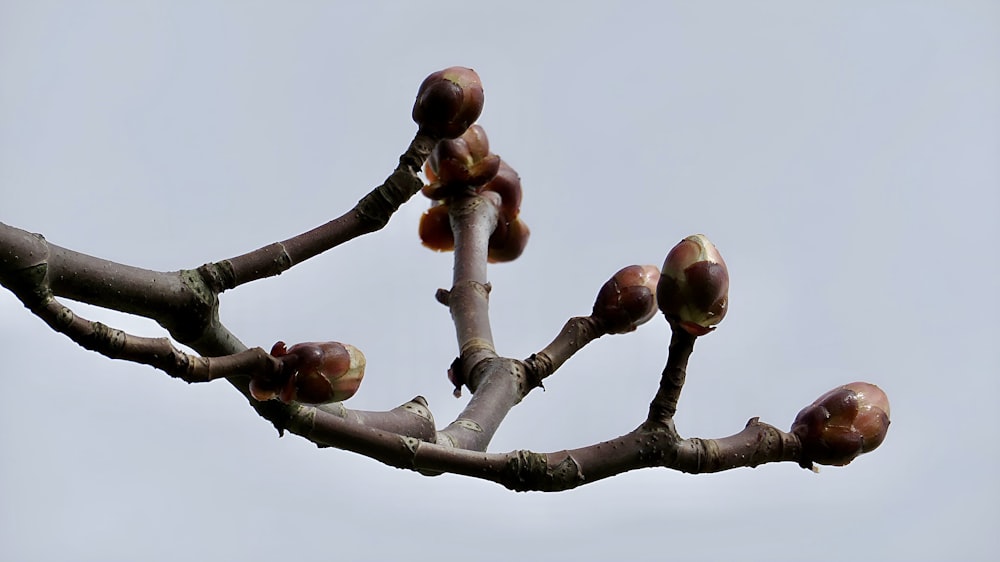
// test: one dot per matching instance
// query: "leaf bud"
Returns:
(628, 299)
(693, 292)
(508, 241)
(456, 165)
(317, 373)
(435, 229)
(507, 184)
(448, 101)
(843, 423)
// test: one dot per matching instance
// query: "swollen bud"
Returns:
(511, 235)
(843, 423)
(448, 101)
(320, 372)
(507, 184)
(693, 292)
(456, 165)
(628, 299)
(435, 229)
(508, 241)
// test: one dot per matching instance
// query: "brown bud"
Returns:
(507, 184)
(628, 299)
(693, 292)
(843, 423)
(448, 101)
(508, 241)
(318, 373)
(435, 229)
(456, 165)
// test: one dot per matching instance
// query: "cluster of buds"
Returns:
(313, 373)
(628, 299)
(462, 165)
(843, 423)
(693, 291)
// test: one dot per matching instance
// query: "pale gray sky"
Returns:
(842, 156)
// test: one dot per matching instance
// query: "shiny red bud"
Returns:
(435, 229)
(318, 373)
(507, 184)
(460, 165)
(508, 241)
(693, 292)
(843, 423)
(628, 299)
(448, 101)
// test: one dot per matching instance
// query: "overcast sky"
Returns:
(842, 156)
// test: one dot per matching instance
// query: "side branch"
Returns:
(664, 404)
(523, 470)
(757, 444)
(370, 214)
(159, 353)
(575, 334)
(37, 271)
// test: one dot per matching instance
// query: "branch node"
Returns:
(418, 406)
(527, 471)
(200, 310)
(471, 425)
(411, 444)
(219, 276)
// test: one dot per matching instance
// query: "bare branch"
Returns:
(576, 333)
(522, 470)
(664, 405)
(473, 219)
(370, 214)
(30, 266)
(36, 271)
(497, 384)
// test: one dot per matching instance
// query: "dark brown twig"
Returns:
(756, 444)
(370, 214)
(575, 334)
(664, 404)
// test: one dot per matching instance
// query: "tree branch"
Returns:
(473, 220)
(370, 214)
(497, 383)
(691, 290)
(36, 271)
(576, 333)
(522, 470)
(664, 404)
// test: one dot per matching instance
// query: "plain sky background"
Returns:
(844, 157)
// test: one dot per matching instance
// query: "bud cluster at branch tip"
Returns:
(693, 291)
(628, 299)
(314, 373)
(843, 423)
(465, 167)
(460, 165)
(448, 101)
